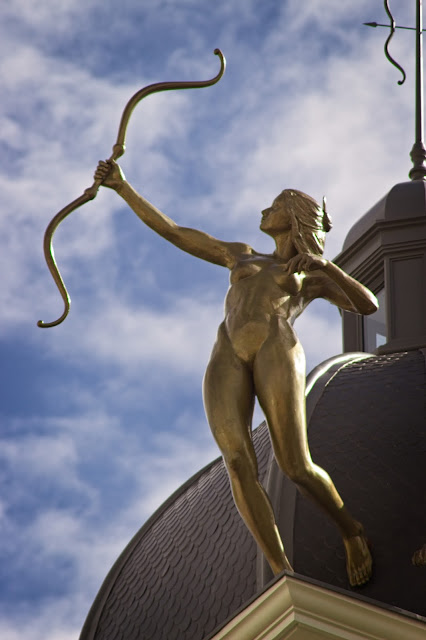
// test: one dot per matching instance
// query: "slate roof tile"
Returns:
(182, 573)
(380, 471)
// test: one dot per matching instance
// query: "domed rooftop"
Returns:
(194, 564)
(367, 429)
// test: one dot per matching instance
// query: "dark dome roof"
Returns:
(368, 431)
(404, 201)
(193, 564)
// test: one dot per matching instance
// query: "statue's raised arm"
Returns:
(195, 242)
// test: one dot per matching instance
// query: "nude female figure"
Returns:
(257, 353)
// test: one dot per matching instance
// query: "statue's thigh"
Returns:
(228, 399)
(279, 378)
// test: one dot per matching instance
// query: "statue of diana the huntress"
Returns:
(257, 354)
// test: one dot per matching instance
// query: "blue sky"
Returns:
(102, 417)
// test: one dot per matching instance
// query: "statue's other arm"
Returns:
(195, 242)
(343, 289)
(330, 282)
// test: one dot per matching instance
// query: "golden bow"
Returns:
(90, 193)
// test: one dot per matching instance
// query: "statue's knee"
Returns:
(234, 460)
(238, 463)
(298, 471)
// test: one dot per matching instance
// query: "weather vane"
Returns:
(90, 193)
(418, 152)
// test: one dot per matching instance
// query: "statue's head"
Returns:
(300, 214)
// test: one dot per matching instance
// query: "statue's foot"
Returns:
(359, 562)
(283, 565)
(419, 557)
(287, 565)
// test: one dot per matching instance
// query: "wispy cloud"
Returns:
(65, 548)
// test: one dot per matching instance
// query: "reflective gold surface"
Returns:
(257, 353)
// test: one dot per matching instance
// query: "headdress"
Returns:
(310, 221)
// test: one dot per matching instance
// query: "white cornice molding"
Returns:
(293, 608)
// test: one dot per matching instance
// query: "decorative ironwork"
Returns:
(392, 26)
(387, 54)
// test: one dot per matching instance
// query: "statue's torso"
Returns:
(262, 300)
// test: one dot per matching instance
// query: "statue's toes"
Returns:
(360, 575)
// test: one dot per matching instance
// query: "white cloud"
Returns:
(61, 455)
(177, 339)
(51, 164)
(90, 538)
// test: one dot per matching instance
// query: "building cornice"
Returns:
(293, 607)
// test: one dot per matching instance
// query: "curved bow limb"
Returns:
(90, 193)
(50, 257)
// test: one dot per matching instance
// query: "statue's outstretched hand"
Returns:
(304, 262)
(110, 174)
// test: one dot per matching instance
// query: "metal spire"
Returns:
(418, 152)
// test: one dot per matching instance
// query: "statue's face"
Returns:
(276, 218)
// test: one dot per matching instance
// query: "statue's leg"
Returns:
(229, 402)
(279, 377)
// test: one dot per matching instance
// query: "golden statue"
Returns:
(257, 353)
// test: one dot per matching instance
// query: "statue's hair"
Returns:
(310, 221)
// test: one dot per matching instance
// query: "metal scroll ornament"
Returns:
(90, 193)
(387, 54)
(392, 26)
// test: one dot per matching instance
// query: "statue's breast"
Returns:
(268, 271)
(289, 283)
(245, 269)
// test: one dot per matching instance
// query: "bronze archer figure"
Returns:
(257, 353)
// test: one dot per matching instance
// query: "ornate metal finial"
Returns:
(418, 152)
(387, 54)
(392, 26)
(90, 193)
